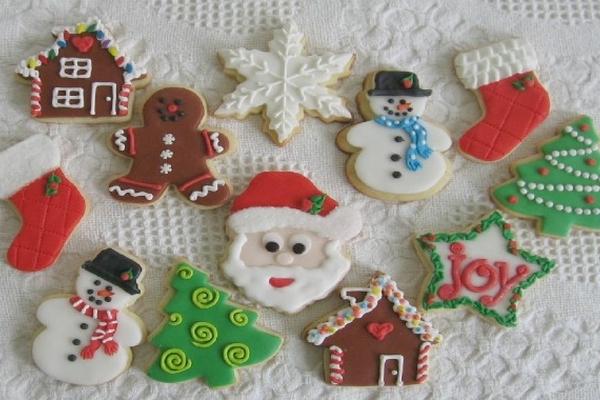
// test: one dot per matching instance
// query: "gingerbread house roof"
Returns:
(28, 68)
(381, 286)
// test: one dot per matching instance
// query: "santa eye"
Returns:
(97, 282)
(300, 244)
(272, 242)
(391, 101)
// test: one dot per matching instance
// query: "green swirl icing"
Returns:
(205, 297)
(185, 272)
(204, 334)
(174, 361)
(238, 317)
(175, 319)
(236, 354)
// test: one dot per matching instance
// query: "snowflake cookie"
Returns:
(283, 83)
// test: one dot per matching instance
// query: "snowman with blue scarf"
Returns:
(396, 155)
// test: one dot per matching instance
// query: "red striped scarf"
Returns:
(104, 332)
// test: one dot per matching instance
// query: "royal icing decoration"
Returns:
(560, 188)
(482, 268)
(286, 241)
(87, 336)
(284, 82)
(33, 181)
(94, 79)
(378, 340)
(513, 100)
(206, 336)
(170, 150)
(395, 154)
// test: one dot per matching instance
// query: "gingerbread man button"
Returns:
(172, 149)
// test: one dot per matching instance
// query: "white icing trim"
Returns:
(495, 62)
(25, 162)
(383, 358)
(62, 96)
(130, 192)
(166, 168)
(345, 296)
(213, 187)
(342, 223)
(168, 138)
(120, 139)
(95, 86)
(215, 142)
(75, 65)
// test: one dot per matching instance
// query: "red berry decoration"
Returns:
(584, 128)
(590, 161)
(590, 199)
(513, 199)
(529, 82)
(124, 276)
(407, 82)
(543, 171)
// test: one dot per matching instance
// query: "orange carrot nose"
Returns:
(104, 293)
(402, 107)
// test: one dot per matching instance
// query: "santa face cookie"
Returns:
(286, 241)
(482, 268)
(87, 336)
(172, 149)
(283, 83)
(379, 339)
(82, 77)
(395, 155)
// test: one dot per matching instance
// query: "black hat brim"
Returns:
(400, 92)
(89, 266)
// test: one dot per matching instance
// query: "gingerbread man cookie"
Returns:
(170, 150)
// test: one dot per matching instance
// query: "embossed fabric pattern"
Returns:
(552, 353)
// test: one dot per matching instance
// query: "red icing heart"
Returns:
(83, 43)
(281, 282)
(380, 331)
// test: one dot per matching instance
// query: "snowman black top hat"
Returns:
(397, 83)
(117, 269)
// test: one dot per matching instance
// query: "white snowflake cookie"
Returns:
(283, 82)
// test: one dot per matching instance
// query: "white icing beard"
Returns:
(310, 284)
(380, 105)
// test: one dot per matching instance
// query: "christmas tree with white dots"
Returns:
(560, 188)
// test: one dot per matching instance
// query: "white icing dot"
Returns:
(530, 196)
(568, 128)
(596, 211)
(539, 200)
(569, 169)
(587, 188)
(569, 187)
(578, 211)
(548, 157)
(572, 152)
(594, 176)
(579, 188)
(523, 191)
(563, 153)
(586, 175)
(550, 187)
(531, 185)
(587, 211)
(554, 162)
(555, 153)
(596, 188)
(580, 139)
(549, 204)
(559, 188)
(568, 209)
(520, 183)
(559, 207)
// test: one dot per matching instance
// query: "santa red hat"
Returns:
(278, 199)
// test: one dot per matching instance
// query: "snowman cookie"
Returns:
(88, 335)
(171, 149)
(395, 154)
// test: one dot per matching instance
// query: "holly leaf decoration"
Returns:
(318, 201)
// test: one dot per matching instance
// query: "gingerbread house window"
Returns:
(75, 68)
(63, 97)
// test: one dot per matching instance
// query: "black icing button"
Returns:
(395, 157)
(398, 139)
(83, 326)
(76, 342)
(396, 174)
(71, 357)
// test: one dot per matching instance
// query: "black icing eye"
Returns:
(402, 101)
(161, 100)
(109, 288)
(98, 302)
(391, 101)
(272, 247)
(91, 298)
(180, 113)
(107, 299)
(90, 291)
(299, 248)
(404, 113)
(97, 282)
(178, 102)
(409, 109)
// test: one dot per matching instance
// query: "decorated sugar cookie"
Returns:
(82, 77)
(49, 203)
(87, 336)
(205, 335)
(395, 154)
(173, 148)
(379, 339)
(283, 84)
(561, 187)
(482, 268)
(286, 241)
(512, 98)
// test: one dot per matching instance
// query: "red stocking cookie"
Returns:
(512, 97)
(170, 150)
(49, 204)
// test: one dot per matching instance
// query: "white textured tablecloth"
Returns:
(555, 350)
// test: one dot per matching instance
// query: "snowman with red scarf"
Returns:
(396, 154)
(88, 336)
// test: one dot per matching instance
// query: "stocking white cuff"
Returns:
(25, 162)
(495, 62)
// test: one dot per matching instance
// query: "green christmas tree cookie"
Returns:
(204, 335)
(561, 188)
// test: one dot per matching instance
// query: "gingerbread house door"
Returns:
(390, 369)
(103, 101)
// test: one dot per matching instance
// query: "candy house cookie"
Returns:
(482, 268)
(283, 83)
(378, 340)
(49, 204)
(395, 155)
(561, 187)
(172, 148)
(286, 241)
(205, 335)
(82, 77)
(87, 336)
(513, 100)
